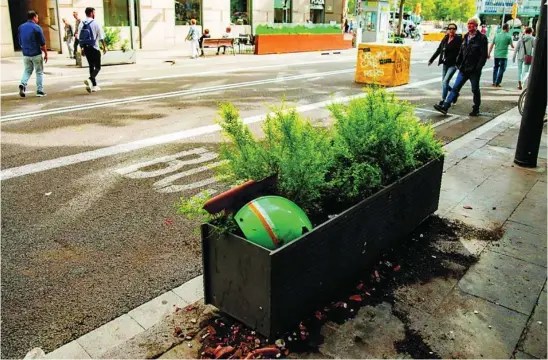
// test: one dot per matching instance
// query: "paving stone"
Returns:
(522, 355)
(455, 331)
(522, 242)
(156, 309)
(448, 200)
(427, 296)
(491, 155)
(192, 290)
(355, 340)
(531, 212)
(535, 339)
(111, 334)
(508, 180)
(72, 350)
(157, 340)
(508, 281)
(507, 139)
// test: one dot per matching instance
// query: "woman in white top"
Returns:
(193, 36)
(524, 53)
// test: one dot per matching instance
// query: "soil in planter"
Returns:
(428, 253)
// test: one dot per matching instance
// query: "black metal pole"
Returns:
(532, 121)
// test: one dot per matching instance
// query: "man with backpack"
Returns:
(89, 34)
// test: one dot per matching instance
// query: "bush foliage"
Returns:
(297, 29)
(374, 141)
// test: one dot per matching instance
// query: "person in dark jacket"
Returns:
(33, 43)
(470, 62)
(448, 50)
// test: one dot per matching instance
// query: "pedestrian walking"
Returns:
(524, 55)
(448, 50)
(69, 38)
(470, 62)
(33, 43)
(89, 35)
(76, 27)
(501, 42)
(193, 36)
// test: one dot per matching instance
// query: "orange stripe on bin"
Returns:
(265, 223)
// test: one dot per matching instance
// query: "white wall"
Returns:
(6, 44)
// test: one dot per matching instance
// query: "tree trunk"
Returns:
(400, 20)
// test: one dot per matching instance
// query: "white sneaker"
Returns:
(87, 82)
(95, 88)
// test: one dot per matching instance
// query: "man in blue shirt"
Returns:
(32, 42)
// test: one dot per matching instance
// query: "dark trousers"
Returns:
(459, 83)
(76, 42)
(94, 60)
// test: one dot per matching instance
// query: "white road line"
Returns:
(226, 71)
(83, 86)
(15, 93)
(433, 111)
(134, 99)
(163, 139)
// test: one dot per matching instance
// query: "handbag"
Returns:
(528, 59)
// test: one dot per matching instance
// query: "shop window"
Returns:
(186, 10)
(116, 12)
(317, 13)
(282, 11)
(239, 12)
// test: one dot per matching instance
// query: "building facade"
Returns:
(163, 24)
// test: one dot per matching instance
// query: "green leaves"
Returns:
(374, 141)
(297, 29)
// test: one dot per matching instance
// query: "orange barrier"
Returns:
(383, 64)
(433, 36)
(291, 43)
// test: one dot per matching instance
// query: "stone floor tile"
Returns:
(109, 335)
(192, 290)
(531, 212)
(456, 331)
(522, 355)
(535, 338)
(72, 350)
(505, 280)
(152, 312)
(354, 340)
(522, 242)
(507, 139)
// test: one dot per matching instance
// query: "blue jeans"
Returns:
(523, 69)
(33, 63)
(498, 70)
(459, 83)
(446, 76)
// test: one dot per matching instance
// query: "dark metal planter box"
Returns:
(270, 291)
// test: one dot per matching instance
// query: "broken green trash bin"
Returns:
(272, 221)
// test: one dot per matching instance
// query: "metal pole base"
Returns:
(525, 164)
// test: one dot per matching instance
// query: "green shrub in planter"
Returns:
(374, 141)
(297, 29)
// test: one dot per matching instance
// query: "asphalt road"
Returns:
(89, 182)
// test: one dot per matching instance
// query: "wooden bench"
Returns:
(217, 42)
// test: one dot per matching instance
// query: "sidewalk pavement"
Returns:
(61, 65)
(486, 299)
